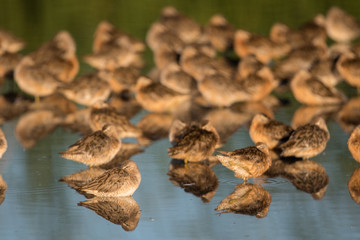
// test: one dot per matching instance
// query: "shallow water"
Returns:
(38, 206)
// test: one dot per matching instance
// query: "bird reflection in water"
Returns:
(349, 115)
(123, 211)
(249, 199)
(354, 186)
(196, 178)
(35, 125)
(307, 176)
(306, 114)
(3, 188)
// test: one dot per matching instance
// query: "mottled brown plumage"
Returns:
(354, 143)
(309, 90)
(3, 143)
(193, 142)
(116, 182)
(123, 211)
(78, 179)
(349, 115)
(196, 178)
(269, 131)
(348, 66)
(102, 114)
(9, 42)
(220, 32)
(307, 176)
(248, 199)
(173, 77)
(155, 97)
(95, 149)
(307, 141)
(246, 43)
(87, 89)
(113, 48)
(3, 189)
(341, 26)
(247, 162)
(354, 186)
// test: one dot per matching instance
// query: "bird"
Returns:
(192, 142)
(41, 72)
(95, 149)
(3, 189)
(306, 141)
(9, 42)
(340, 25)
(248, 66)
(106, 35)
(120, 181)
(299, 58)
(87, 89)
(187, 29)
(263, 48)
(123, 79)
(220, 32)
(269, 131)
(155, 97)
(248, 162)
(8, 62)
(354, 143)
(173, 77)
(102, 113)
(348, 66)
(249, 199)
(308, 89)
(258, 85)
(113, 48)
(3, 143)
(312, 32)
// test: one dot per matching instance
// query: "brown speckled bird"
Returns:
(269, 131)
(192, 142)
(348, 66)
(102, 114)
(3, 189)
(247, 162)
(307, 141)
(155, 97)
(95, 149)
(87, 89)
(3, 143)
(308, 89)
(354, 143)
(341, 26)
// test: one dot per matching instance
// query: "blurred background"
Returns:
(38, 21)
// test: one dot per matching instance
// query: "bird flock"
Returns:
(207, 82)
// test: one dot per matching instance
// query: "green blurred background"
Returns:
(36, 21)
